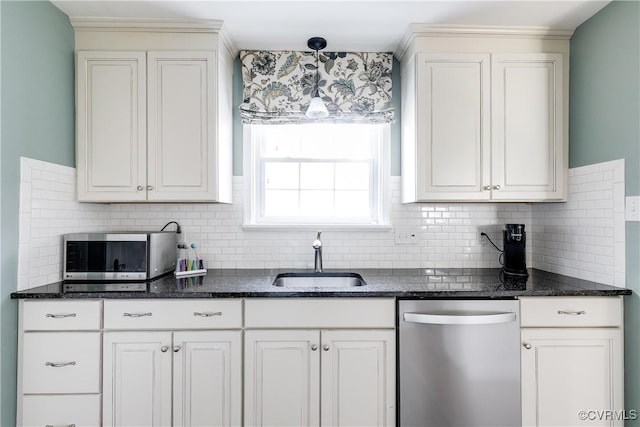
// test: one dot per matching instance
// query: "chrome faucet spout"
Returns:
(317, 246)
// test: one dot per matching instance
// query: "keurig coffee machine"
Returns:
(515, 257)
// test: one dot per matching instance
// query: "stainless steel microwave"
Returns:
(118, 256)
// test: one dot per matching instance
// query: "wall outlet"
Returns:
(406, 235)
(632, 208)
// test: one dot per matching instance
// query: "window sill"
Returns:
(316, 227)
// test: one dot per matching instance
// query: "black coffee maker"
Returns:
(514, 239)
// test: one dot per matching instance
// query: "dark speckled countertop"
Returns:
(400, 283)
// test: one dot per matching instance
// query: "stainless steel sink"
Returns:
(318, 280)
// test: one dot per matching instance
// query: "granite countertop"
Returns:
(400, 283)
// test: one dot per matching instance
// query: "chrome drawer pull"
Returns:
(527, 346)
(60, 316)
(572, 313)
(59, 365)
(66, 425)
(216, 313)
(137, 314)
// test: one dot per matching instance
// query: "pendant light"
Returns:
(317, 109)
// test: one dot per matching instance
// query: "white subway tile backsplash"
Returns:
(47, 211)
(583, 237)
(591, 221)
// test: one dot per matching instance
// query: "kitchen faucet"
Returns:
(317, 246)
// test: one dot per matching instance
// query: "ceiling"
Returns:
(351, 25)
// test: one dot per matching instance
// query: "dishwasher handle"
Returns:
(461, 318)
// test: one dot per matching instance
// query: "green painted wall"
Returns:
(237, 123)
(604, 124)
(37, 121)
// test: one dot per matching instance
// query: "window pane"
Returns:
(352, 176)
(281, 175)
(316, 176)
(316, 203)
(281, 203)
(352, 203)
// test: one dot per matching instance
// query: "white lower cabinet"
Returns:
(572, 362)
(282, 384)
(357, 378)
(568, 371)
(319, 377)
(148, 376)
(137, 379)
(59, 364)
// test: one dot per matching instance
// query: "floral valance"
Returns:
(278, 86)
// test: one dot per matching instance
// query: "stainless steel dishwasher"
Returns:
(459, 363)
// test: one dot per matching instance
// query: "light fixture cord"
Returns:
(317, 74)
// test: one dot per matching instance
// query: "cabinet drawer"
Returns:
(61, 315)
(319, 313)
(78, 410)
(570, 312)
(61, 362)
(190, 314)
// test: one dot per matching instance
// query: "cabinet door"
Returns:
(452, 118)
(111, 126)
(137, 379)
(207, 378)
(181, 121)
(529, 148)
(566, 371)
(358, 378)
(282, 370)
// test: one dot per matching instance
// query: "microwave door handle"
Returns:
(459, 319)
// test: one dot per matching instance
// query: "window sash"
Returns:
(372, 190)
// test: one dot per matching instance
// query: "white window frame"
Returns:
(253, 188)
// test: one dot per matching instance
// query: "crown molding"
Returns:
(146, 25)
(212, 26)
(430, 30)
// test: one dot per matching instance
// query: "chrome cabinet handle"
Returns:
(139, 188)
(60, 316)
(486, 187)
(149, 187)
(176, 348)
(572, 313)
(66, 425)
(496, 187)
(59, 365)
(314, 347)
(137, 314)
(527, 346)
(216, 313)
(326, 347)
(164, 348)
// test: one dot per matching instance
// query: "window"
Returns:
(316, 174)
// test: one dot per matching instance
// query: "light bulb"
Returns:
(317, 109)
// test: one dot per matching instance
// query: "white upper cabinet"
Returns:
(154, 112)
(528, 155)
(484, 115)
(111, 125)
(452, 158)
(181, 128)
